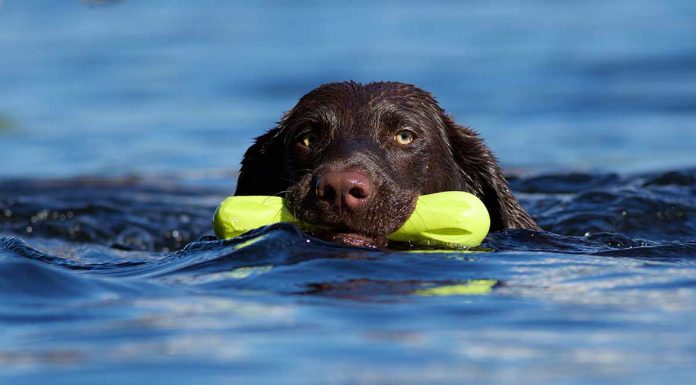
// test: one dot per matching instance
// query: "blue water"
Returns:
(122, 125)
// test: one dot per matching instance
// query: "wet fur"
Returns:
(355, 123)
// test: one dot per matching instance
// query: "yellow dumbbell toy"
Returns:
(452, 219)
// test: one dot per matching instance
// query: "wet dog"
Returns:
(353, 158)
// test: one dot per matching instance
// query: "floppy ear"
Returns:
(264, 170)
(481, 173)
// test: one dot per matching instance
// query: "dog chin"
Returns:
(355, 239)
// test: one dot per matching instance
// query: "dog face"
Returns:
(353, 159)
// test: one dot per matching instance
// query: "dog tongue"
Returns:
(355, 239)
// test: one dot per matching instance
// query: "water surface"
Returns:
(98, 288)
(122, 125)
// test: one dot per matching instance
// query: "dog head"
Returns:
(352, 159)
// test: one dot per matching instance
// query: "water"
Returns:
(115, 279)
(159, 87)
(93, 296)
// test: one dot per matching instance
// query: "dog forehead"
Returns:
(351, 103)
(352, 95)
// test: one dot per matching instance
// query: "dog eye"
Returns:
(308, 139)
(404, 137)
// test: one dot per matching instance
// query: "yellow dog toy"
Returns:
(453, 219)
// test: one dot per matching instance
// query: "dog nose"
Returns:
(344, 189)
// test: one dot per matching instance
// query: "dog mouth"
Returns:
(365, 226)
(353, 239)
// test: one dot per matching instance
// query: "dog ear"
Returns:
(264, 170)
(482, 176)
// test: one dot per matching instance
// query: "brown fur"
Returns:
(355, 125)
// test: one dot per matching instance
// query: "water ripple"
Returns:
(613, 272)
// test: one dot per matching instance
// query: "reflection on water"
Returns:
(83, 302)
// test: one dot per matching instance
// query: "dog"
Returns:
(353, 159)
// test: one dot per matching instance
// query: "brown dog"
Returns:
(354, 158)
